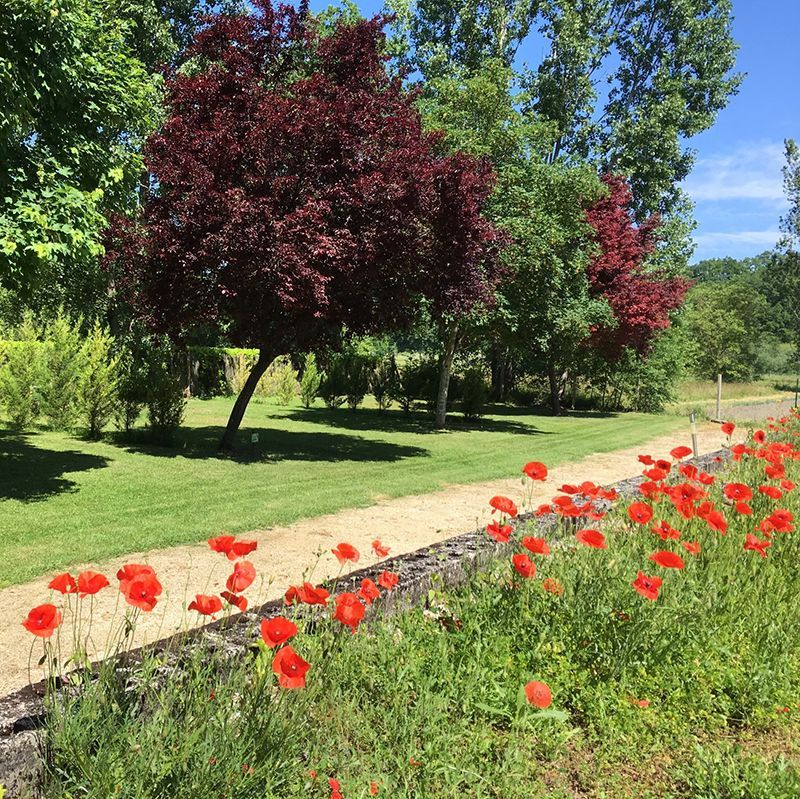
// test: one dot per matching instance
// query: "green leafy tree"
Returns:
(97, 389)
(622, 84)
(725, 322)
(75, 104)
(63, 365)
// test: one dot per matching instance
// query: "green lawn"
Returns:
(64, 500)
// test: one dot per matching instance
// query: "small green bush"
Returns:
(21, 376)
(63, 364)
(166, 402)
(310, 381)
(131, 396)
(382, 382)
(97, 387)
(473, 393)
(287, 387)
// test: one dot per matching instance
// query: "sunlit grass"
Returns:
(65, 500)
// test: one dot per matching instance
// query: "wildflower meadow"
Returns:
(645, 646)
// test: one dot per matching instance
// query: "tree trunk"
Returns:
(555, 394)
(445, 371)
(265, 358)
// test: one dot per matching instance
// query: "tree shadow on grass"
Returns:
(419, 422)
(29, 473)
(274, 445)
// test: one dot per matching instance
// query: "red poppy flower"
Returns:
(535, 470)
(277, 631)
(743, 509)
(373, 788)
(242, 577)
(755, 544)
(90, 582)
(237, 601)
(504, 505)
(592, 538)
(655, 474)
(349, 610)
(788, 485)
(651, 490)
(43, 620)
(221, 544)
(345, 552)
(543, 510)
(206, 605)
(640, 512)
(292, 595)
(538, 694)
(692, 547)
(781, 520)
(728, 428)
(680, 452)
(290, 668)
(143, 590)
(388, 580)
(740, 450)
(647, 460)
(129, 572)
(738, 492)
(647, 586)
(706, 479)
(665, 532)
(524, 565)
(689, 471)
(500, 532)
(310, 595)
(775, 471)
(759, 436)
(771, 491)
(536, 546)
(369, 591)
(379, 549)
(667, 560)
(552, 586)
(64, 584)
(242, 548)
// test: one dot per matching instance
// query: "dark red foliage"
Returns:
(296, 192)
(640, 300)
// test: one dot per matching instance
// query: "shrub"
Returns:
(21, 376)
(63, 363)
(286, 387)
(473, 393)
(416, 379)
(166, 403)
(333, 386)
(357, 371)
(97, 387)
(310, 381)
(131, 395)
(382, 382)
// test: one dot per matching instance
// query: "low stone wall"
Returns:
(446, 564)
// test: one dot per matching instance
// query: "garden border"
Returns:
(447, 564)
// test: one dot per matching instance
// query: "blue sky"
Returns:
(736, 184)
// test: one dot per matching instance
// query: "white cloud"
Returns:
(760, 238)
(750, 171)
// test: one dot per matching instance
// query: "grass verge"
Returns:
(64, 500)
